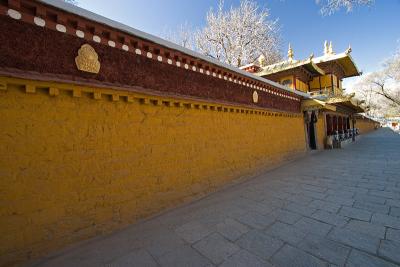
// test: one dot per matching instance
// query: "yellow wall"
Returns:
(326, 81)
(73, 167)
(365, 125)
(320, 127)
(314, 84)
(301, 86)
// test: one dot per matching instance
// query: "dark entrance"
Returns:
(311, 131)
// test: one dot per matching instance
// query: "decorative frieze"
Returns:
(54, 89)
(232, 77)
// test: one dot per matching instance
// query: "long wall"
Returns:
(80, 161)
(95, 140)
(366, 125)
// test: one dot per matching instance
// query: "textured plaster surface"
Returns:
(306, 213)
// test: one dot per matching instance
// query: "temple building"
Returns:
(330, 113)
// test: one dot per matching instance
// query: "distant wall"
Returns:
(366, 125)
(80, 161)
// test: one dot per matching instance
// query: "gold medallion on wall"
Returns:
(255, 97)
(87, 59)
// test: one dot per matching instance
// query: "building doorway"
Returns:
(311, 119)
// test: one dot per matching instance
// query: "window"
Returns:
(287, 82)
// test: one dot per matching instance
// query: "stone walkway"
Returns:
(334, 208)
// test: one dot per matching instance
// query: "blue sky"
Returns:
(373, 32)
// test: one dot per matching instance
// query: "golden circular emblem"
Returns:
(87, 59)
(255, 97)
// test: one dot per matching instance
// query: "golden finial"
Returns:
(290, 53)
(330, 50)
(348, 51)
(261, 60)
(326, 48)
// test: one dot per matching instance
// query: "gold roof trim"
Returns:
(346, 101)
(291, 64)
(310, 104)
(344, 59)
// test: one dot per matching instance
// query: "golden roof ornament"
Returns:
(290, 53)
(348, 51)
(330, 50)
(255, 97)
(87, 59)
(350, 96)
(326, 47)
(261, 60)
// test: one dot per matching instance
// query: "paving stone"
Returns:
(390, 250)
(340, 200)
(369, 198)
(261, 208)
(163, 242)
(285, 232)
(371, 186)
(232, 229)
(193, 231)
(386, 220)
(355, 213)
(184, 256)
(386, 194)
(357, 190)
(285, 216)
(326, 249)
(300, 209)
(256, 220)
(314, 195)
(354, 239)
(373, 207)
(362, 259)
(394, 211)
(340, 194)
(216, 248)
(275, 202)
(330, 218)
(251, 205)
(300, 199)
(325, 205)
(314, 188)
(137, 258)
(243, 258)
(260, 244)
(393, 202)
(308, 225)
(366, 228)
(393, 234)
(290, 256)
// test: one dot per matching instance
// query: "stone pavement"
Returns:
(333, 208)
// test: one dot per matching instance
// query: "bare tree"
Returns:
(381, 89)
(183, 36)
(331, 6)
(364, 91)
(385, 86)
(240, 35)
(74, 2)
